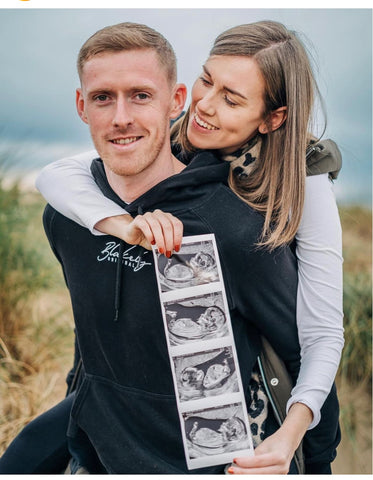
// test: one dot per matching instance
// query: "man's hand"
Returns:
(153, 228)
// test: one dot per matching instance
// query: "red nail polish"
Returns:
(168, 254)
(177, 248)
(160, 250)
(152, 242)
(230, 470)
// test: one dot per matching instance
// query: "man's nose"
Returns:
(122, 114)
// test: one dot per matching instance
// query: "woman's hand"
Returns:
(274, 454)
(153, 228)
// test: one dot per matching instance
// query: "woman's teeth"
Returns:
(203, 124)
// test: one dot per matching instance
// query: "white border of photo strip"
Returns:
(224, 403)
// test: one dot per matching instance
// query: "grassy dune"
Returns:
(354, 379)
(36, 326)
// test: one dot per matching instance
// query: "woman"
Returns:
(252, 105)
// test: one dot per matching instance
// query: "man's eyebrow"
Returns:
(96, 91)
(230, 90)
(135, 88)
(145, 86)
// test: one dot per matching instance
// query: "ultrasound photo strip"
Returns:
(197, 318)
(205, 374)
(220, 431)
(194, 265)
(203, 358)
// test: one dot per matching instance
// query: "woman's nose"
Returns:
(206, 104)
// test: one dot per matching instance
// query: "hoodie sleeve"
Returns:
(69, 187)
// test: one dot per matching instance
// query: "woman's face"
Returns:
(227, 104)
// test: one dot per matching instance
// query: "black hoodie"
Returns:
(126, 401)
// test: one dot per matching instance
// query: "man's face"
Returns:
(127, 101)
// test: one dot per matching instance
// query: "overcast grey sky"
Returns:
(38, 52)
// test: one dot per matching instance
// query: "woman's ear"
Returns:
(178, 101)
(274, 120)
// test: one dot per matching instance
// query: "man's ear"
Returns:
(178, 100)
(79, 102)
(274, 120)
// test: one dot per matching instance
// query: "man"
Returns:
(125, 405)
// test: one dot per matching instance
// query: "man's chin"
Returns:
(123, 168)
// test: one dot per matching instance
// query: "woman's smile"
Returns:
(203, 124)
(227, 104)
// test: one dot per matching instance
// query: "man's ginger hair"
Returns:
(125, 37)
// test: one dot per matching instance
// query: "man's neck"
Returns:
(129, 188)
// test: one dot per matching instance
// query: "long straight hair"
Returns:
(276, 184)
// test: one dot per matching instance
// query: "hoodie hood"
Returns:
(324, 157)
(178, 192)
(184, 189)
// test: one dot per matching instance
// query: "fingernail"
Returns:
(152, 242)
(160, 250)
(177, 248)
(230, 470)
(168, 254)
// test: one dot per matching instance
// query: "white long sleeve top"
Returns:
(69, 187)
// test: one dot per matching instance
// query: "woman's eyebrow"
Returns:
(206, 71)
(230, 90)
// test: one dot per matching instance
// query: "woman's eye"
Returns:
(229, 102)
(205, 81)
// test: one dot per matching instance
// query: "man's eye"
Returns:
(101, 98)
(142, 96)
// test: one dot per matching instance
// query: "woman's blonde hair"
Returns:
(276, 184)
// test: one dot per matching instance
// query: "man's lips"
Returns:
(124, 141)
(203, 123)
